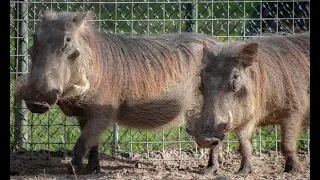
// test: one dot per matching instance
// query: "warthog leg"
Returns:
(93, 165)
(213, 164)
(290, 129)
(245, 137)
(89, 138)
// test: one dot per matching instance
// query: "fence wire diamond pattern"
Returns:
(228, 20)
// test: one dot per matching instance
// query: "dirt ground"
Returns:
(159, 165)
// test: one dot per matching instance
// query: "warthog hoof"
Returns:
(72, 169)
(221, 178)
(92, 168)
(293, 168)
(245, 169)
(210, 169)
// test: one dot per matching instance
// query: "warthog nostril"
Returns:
(38, 107)
(211, 142)
(215, 142)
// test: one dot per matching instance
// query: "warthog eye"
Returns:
(235, 80)
(67, 46)
(67, 38)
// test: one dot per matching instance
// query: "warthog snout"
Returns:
(42, 106)
(38, 107)
(211, 135)
(209, 142)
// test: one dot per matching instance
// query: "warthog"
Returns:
(140, 82)
(252, 83)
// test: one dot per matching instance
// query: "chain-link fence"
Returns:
(228, 20)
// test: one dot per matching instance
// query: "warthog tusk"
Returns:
(229, 123)
(81, 87)
(230, 118)
(60, 91)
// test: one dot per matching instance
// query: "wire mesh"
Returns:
(228, 20)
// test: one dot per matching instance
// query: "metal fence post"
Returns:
(191, 15)
(115, 138)
(20, 112)
(218, 18)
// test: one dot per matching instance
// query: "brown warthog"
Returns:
(257, 82)
(140, 82)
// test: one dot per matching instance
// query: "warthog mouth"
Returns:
(206, 140)
(211, 142)
(42, 106)
(37, 107)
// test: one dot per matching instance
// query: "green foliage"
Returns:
(268, 138)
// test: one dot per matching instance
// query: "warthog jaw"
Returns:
(78, 89)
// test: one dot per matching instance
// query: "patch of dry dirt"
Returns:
(159, 165)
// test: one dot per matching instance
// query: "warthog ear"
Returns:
(50, 15)
(80, 18)
(206, 53)
(248, 54)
